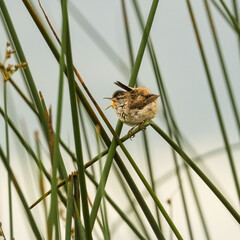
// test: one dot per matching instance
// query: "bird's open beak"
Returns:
(113, 104)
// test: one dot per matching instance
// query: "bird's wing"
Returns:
(143, 101)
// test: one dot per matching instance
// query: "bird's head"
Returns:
(118, 98)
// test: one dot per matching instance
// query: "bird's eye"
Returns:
(118, 94)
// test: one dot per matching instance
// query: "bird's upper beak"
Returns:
(113, 104)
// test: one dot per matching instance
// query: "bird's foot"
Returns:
(130, 134)
(142, 127)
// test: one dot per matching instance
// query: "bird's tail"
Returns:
(125, 87)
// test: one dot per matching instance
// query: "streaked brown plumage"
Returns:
(134, 105)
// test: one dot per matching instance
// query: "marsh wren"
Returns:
(134, 105)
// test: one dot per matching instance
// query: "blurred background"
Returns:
(100, 53)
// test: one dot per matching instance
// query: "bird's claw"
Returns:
(130, 135)
(142, 127)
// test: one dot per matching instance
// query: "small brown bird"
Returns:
(134, 106)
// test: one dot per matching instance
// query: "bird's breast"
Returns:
(134, 117)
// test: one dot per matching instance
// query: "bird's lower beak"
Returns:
(113, 104)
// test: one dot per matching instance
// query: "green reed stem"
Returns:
(215, 101)
(8, 159)
(41, 183)
(150, 169)
(235, 8)
(78, 223)
(236, 14)
(222, 13)
(163, 93)
(143, 43)
(131, 57)
(24, 143)
(118, 209)
(169, 117)
(30, 151)
(31, 220)
(76, 129)
(69, 210)
(198, 171)
(131, 202)
(106, 231)
(119, 162)
(113, 146)
(223, 66)
(232, 17)
(54, 202)
(104, 176)
(20, 54)
(30, 82)
(76, 195)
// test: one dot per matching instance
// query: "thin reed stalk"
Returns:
(215, 101)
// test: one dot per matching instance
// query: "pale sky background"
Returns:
(185, 80)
